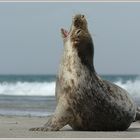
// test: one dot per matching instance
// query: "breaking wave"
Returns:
(133, 87)
(28, 88)
(48, 88)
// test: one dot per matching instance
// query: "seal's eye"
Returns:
(78, 32)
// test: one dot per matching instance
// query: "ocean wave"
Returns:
(28, 88)
(133, 87)
(48, 88)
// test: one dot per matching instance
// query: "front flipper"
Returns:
(63, 116)
(41, 129)
(46, 127)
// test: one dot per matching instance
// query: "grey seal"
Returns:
(84, 100)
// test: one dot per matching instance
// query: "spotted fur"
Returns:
(84, 100)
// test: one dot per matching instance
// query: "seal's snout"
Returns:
(79, 17)
(79, 21)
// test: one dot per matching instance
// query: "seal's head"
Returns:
(79, 23)
(80, 39)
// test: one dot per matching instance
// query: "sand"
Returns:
(18, 127)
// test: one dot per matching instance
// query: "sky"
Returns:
(31, 43)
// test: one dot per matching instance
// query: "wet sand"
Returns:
(18, 127)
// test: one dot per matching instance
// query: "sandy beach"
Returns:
(18, 127)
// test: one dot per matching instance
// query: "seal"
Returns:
(84, 100)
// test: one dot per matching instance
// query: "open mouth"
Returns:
(64, 32)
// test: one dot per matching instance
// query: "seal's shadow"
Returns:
(133, 130)
(129, 130)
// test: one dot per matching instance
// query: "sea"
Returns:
(34, 95)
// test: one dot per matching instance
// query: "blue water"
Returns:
(33, 95)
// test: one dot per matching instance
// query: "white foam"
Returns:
(133, 87)
(48, 88)
(28, 88)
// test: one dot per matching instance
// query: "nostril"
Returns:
(82, 16)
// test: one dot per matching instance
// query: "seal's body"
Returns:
(84, 100)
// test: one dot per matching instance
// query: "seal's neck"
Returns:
(74, 59)
(85, 53)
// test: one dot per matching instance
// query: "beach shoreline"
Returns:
(18, 127)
